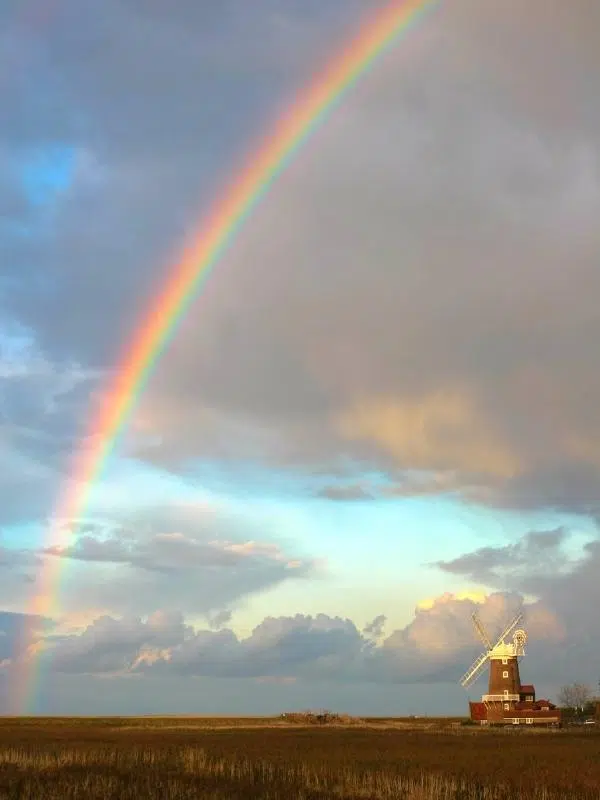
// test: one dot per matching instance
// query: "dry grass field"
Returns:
(175, 758)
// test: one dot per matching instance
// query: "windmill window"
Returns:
(505, 674)
(506, 693)
(529, 721)
(506, 706)
(505, 660)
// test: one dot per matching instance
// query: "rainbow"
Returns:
(186, 278)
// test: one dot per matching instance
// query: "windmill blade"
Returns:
(481, 631)
(474, 670)
(509, 628)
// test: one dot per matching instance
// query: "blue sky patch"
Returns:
(48, 173)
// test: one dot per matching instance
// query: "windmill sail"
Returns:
(509, 628)
(481, 631)
(474, 670)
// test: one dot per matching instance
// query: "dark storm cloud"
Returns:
(158, 108)
(453, 331)
(155, 111)
(419, 291)
(564, 487)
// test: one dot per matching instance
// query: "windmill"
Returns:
(507, 699)
(504, 686)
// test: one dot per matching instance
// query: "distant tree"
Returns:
(583, 695)
(575, 696)
(565, 697)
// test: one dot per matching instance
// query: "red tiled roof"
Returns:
(534, 705)
(527, 688)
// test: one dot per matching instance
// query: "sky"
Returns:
(380, 414)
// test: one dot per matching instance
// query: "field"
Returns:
(172, 758)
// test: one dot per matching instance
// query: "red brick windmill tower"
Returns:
(504, 685)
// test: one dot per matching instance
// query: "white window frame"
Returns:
(505, 673)
(506, 693)
(505, 660)
(506, 706)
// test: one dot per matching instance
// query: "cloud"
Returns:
(43, 408)
(565, 586)
(119, 232)
(204, 567)
(219, 619)
(11, 559)
(444, 333)
(278, 647)
(436, 432)
(354, 491)
(169, 552)
(110, 645)
(12, 625)
(448, 330)
(437, 645)
(440, 642)
(537, 553)
(36, 391)
(562, 485)
(558, 594)
(18, 569)
(162, 642)
(527, 78)
(397, 483)
(375, 627)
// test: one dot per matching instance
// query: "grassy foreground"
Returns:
(172, 759)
